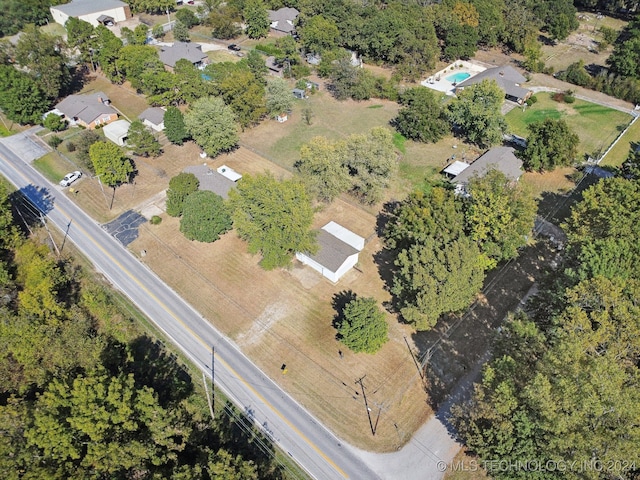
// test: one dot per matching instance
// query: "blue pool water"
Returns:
(458, 77)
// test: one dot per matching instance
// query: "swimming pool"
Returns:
(458, 77)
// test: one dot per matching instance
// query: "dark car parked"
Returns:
(234, 47)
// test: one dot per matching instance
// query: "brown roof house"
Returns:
(89, 110)
(179, 50)
(337, 253)
(499, 158)
(507, 78)
(283, 20)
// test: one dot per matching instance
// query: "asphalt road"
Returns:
(289, 425)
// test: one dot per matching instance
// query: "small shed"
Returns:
(299, 93)
(337, 253)
(153, 117)
(283, 117)
(454, 169)
(229, 173)
(117, 131)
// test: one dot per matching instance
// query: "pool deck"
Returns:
(439, 82)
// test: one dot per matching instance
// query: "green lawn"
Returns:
(620, 151)
(53, 166)
(596, 125)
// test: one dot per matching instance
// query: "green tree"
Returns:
(602, 229)
(322, 167)
(577, 74)
(21, 99)
(491, 22)
(41, 281)
(256, 63)
(80, 35)
(499, 216)
(433, 279)
(348, 81)
(141, 141)
(105, 424)
(135, 61)
(245, 94)
(256, 18)
(55, 123)
(318, 34)
(180, 187)
(152, 6)
(362, 326)
(476, 112)
(204, 217)
(137, 36)
(550, 144)
(108, 52)
(174, 127)
(82, 143)
(110, 163)
(212, 125)
(278, 97)
(274, 217)
(43, 56)
(187, 17)
(371, 161)
(422, 117)
(181, 32)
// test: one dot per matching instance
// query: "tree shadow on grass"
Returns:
(339, 302)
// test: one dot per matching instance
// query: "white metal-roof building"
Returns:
(91, 11)
(337, 253)
(117, 131)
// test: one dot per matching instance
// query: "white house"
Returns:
(92, 11)
(117, 131)
(337, 253)
(153, 117)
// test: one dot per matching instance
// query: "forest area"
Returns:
(86, 391)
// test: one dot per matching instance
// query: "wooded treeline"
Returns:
(564, 384)
(85, 393)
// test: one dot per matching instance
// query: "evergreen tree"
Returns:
(362, 326)
(174, 127)
(141, 141)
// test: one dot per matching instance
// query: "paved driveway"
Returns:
(27, 145)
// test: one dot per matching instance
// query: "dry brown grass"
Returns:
(465, 467)
(285, 316)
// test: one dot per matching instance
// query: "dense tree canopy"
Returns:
(422, 117)
(212, 125)
(204, 217)
(438, 268)
(21, 99)
(256, 19)
(18, 13)
(476, 112)
(362, 164)
(278, 98)
(274, 217)
(550, 144)
(43, 57)
(500, 215)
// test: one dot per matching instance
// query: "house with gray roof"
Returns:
(153, 117)
(338, 250)
(219, 181)
(507, 78)
(179, 50)
(92, 11)
(283, 20)
(499, 158)
(89, 110)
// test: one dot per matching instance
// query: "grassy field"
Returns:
(596, 125)
(619, 153)
(53, 166)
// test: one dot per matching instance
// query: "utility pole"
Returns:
(44, 224)
(366, 404)
(420, 372)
